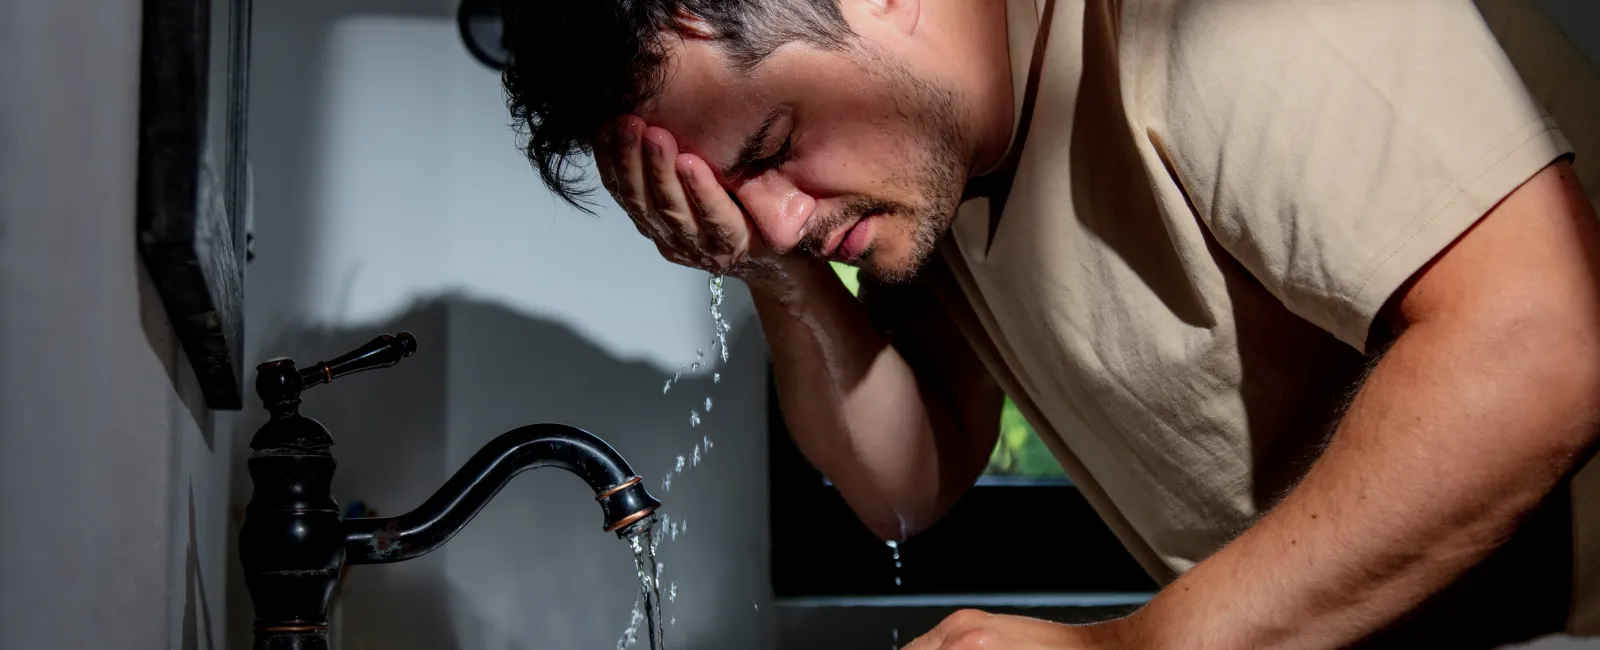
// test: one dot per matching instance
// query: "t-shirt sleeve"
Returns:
(1335, 148)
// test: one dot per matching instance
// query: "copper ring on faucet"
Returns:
(617, 488)
(629, 520)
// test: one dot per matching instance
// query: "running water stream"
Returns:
(647, 608)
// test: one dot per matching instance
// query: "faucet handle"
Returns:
(380, 352)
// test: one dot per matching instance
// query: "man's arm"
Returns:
(1489, 395)
(885, 398)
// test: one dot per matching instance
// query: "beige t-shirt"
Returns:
(1214, 201)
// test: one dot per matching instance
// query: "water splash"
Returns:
(630, 635)
(717, 294)
(648, 608)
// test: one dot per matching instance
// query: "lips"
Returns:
(849, 242)
(855, 241)
(832, 245)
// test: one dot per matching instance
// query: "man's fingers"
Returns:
(666, 189)
(629, 175)
(724, 231)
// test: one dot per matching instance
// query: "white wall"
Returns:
(390, 196)
(112, 471)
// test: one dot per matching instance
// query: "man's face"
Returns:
(844, 155)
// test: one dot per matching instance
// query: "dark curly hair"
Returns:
(578, 65)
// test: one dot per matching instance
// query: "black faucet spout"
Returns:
(620, 492)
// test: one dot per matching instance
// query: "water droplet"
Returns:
(896, 564)
(694, 418)
(679, 467)
(708, 405)
(758, 607)
(684, 525)
(674, 531)
(897, 581)
(666, 484)
(674, 620)
(697, 455)
(672, 593)
(676, 375)
(707, 440)
(700, 353)
(694, 366)
(667, 387)
(716, 377)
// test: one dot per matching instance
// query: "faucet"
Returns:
(294, 544)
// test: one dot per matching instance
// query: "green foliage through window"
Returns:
(1018, 453)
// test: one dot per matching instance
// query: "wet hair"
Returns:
(578, 65)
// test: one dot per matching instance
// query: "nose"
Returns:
(779, 209)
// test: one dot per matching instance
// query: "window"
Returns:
(1023, 529)
(1018, 454)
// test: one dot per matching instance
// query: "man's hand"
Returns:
(975, 630)
(675, 200)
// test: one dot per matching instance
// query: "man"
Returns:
(1304, 295)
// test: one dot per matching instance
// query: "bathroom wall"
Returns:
(389, 196)
(113, 472)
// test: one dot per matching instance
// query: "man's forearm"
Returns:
(854, 405)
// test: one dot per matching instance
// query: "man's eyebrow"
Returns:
(754, 144)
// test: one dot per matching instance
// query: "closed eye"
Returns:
(777, 159)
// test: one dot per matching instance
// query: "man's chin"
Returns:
(898, 270)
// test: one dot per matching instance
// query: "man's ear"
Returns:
(901, 15)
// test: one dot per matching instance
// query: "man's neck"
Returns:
(993, 92)
(983, 76)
